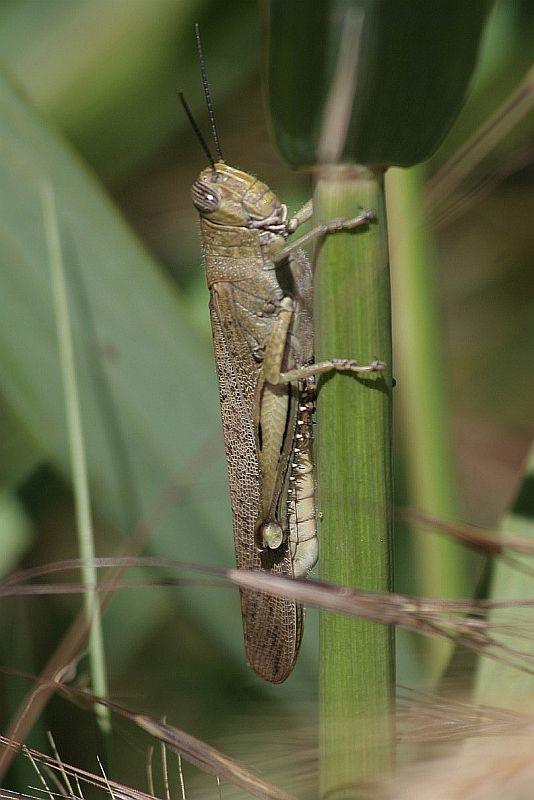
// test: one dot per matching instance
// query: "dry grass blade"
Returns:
(37, 769)
(449, 178)
(122, 562)
(66, 782)
(116, 790)
(428, 718)
(197, 752)
(490, 542)
(460, 621)
(73, 642)
(205, 757)
(501, 767)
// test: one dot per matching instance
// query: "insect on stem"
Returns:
(207, 93)
(263, 340)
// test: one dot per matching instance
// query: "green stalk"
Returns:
(352, 318)
(84, 523)
(441, 565)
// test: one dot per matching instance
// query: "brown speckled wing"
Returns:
(272, 626)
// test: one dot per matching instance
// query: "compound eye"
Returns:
(204, 198)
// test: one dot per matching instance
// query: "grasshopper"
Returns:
(261, 316)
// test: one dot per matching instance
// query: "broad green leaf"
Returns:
(108, 72)
(413, 60)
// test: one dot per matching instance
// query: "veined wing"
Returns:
(272, 625)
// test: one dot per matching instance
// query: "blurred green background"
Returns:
(103, 75)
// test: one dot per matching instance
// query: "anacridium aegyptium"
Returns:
(261, 318)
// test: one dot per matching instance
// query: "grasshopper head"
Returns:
(226, 196)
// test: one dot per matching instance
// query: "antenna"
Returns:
(195, 127)
(207, 93)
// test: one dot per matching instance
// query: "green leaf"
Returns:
(109, 72)
(413, 62)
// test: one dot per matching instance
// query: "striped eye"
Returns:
(204, 198)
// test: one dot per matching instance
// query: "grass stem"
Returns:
(352, 318)
(82, 502)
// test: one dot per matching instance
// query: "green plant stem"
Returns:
(441, 565)
(352, 318)
(84, 524)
